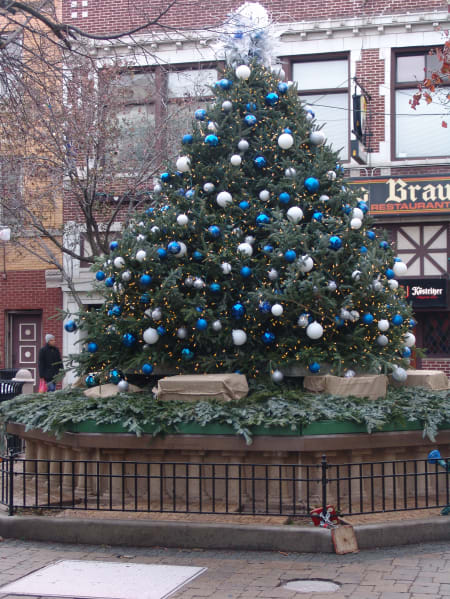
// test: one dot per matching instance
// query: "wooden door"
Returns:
(25, 342)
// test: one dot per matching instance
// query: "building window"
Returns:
(323, 85)
(435, 333)
(418, 133)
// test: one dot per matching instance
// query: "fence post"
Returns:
(11, 484)
(324, 485)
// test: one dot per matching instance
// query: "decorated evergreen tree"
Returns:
(256, 256)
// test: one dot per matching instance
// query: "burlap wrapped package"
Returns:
(190, 387)
(108, 390)
(372, 386)
(430, 379)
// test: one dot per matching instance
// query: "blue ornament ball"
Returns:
(197, 256)
(165, 177)
(162, 253)
(363, 206)
(397, 319)
(250, 120)
(212, 140)
(412, 323)
(310, 114)
(346, 208)
(145, 298)
(200, 114)
(70, 326)
(246, 271)
(225, 83)
(314, 367)
(100, 275)
(311, 184)
(145, 280)
(284, 198)
(92, 347)
(90, 380)
(201, 324)
(147, 369)
(214, 287)
(115, 376)
(174, 247)
(265, 307)
(290, 256)
(244, 205)
(250, 107)
(339, 322)
(390, 274)
(199, 309)
(282, 87)
(187, 354)
(260, 162)
(161, 330)
(237, 311)
(214, 231)
(406, 352)
(113, 245)
(384, 245)
(128, 339)
(318, 216)
(116, 310)
(367, 318)
(363, 249)
(271, 99)
(190, 194)
(371, 235)
(262, 219)
(268, 337)
(109, 282)
(268, 249)
(335, 242)
(187, 139)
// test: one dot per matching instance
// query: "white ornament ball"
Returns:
(277, 376)
(183, 250)
(317, 138)
(141, 255)
(331, 175)
(324, 198)
(182, 333)
(410, 340)
(239, 336)
(273, 274)
(285, 141)
(294, 214)
(224, 198)
(156, 314)
(383, 325)
(356, 223)
(198, 283)
(356, 275)
(358, 213)
(226, 268)
(154, 229)
(236, 160)
(393, 284)
(237, 231)
(243, 72)
(157, 188)
(126, 276)
(400, 375)
(245, 248)
(140, 237)
(250, 239)
(119, 262)
(264, 195)
(303, 321)
(399, 268)
(349, 374)
(148, 313)
(150, 336)
(182, 219)
(382, 340)
(243, 145)
(354, 315)
(212, 126)
(331, 286)
(377, 285)
(183, 164)
(314, 330)
(290, 172)
(216, 326)
(209, 187)
(345, 314)
(123, 386)
(188, 281)
(277, 310)
(227, 106)
(305, 264)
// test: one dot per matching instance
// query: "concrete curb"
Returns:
(216, 536)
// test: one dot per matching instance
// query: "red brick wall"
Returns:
(436, 364)
(111, 15)
(370, 73)
(26, 290)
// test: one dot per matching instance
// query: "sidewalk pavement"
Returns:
(414, 572)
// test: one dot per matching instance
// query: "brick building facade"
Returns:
(357, 65)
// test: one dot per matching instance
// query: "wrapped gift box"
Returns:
(430, 379)
(190, 387)
(370, 385)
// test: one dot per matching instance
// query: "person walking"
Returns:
(50, 362)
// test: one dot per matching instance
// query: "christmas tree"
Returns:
(256, 255)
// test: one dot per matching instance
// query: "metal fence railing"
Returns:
(226, 488)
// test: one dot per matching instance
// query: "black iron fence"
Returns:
(227, 488)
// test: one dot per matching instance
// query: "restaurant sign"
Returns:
(426, 293)
(405, 195)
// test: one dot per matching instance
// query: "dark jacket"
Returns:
(49, 362)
